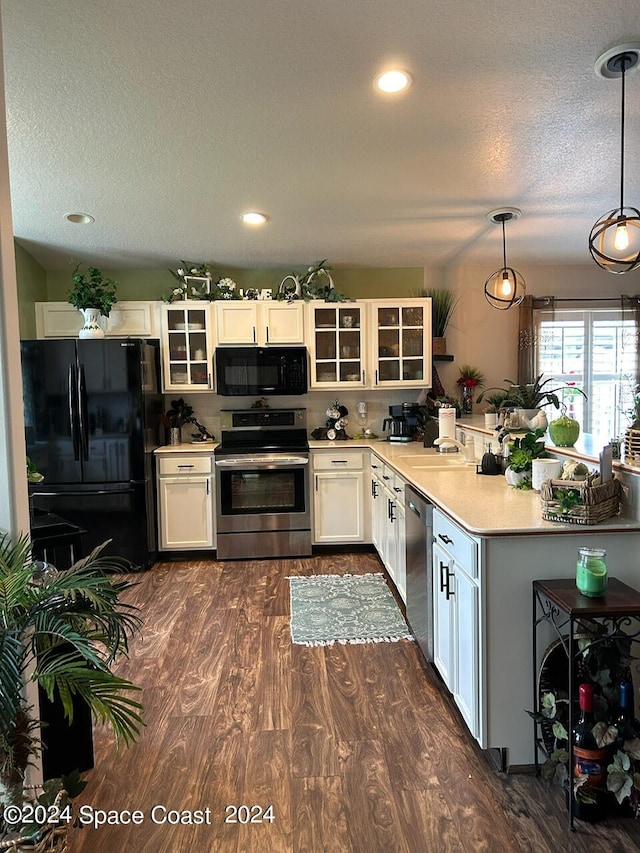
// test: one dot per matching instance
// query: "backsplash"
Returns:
(207, 406)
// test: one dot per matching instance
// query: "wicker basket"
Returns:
(597, 503)
(632, 446)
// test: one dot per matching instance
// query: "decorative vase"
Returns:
(175, 435)
(564, 431)
(467, 400)
(490, 420)
(514, 478)
(91, 327)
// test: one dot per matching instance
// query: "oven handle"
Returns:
(247, 464)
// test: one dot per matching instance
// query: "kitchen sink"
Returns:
(439, 462)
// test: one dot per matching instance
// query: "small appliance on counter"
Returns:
(405, 421)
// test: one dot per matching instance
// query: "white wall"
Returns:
(487, 338)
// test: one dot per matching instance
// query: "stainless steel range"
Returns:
(262, 484)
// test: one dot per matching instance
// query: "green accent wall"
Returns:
(32, 287)
(35, 284)
(153, 284)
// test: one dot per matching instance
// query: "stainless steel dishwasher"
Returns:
(419, 527)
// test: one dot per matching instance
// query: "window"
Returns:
(596, 350)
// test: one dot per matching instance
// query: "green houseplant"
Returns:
(533, 395)
(92, 294)
(62, 630)
(443, 304)
(92, 290)
(522, 451)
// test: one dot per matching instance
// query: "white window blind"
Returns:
(596, 350)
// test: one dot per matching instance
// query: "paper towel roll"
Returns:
(447, 422)
(544, 469)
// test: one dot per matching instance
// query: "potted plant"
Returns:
(529, 398)
(62, 630)
(491, 410)
(443, 304)
(469, 379)
(522, 451)
(92, 294)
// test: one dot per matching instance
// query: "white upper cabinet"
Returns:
(126, 319)
(370, 343)
(187, 347)
(336, 344)
(401, 342)
(259, 323)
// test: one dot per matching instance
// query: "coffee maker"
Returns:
(404, 421)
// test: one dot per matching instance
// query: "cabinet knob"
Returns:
(446, 539)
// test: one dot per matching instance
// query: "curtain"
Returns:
(527, 338)
(631, 311)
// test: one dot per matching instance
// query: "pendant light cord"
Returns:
(623, 62)
(504, 247)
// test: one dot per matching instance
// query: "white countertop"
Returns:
(483, 505)
(187, 447)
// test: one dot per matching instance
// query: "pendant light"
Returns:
(504, 287)
(614, 241)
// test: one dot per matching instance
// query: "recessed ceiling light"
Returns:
(252, 217)
(79, 218)
(393, 81)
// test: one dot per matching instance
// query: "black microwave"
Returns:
(250, 371)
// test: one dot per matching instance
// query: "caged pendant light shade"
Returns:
(614, 241)
(505, 287)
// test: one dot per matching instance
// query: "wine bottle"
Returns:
(628, 729)
(589, 760)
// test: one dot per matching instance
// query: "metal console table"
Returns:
(558, 603)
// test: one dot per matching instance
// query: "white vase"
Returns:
(491, 420)
(91, 327)
(514, 478)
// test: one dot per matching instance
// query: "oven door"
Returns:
(262, 492)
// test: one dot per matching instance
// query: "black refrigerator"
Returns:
(92, 419)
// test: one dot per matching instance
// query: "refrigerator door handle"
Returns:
(73, 413)
(83, 419)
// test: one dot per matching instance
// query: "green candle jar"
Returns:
(591, 572)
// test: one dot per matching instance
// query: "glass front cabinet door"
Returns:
(401, 342)
(336, 345)
(187, 351)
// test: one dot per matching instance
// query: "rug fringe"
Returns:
(323, 577)
(355, 641)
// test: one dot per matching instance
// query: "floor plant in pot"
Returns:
(63, 631)
(93, 295)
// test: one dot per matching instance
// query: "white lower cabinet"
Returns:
(388, 521)
(185, 502)
(456, 616)
(340, 502)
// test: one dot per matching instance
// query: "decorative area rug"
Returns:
(327, 609)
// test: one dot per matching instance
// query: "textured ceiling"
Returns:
(165, 120)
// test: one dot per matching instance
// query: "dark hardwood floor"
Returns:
(354, 746)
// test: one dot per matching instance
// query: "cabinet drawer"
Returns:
(179, 464)
(456, 543)
(397, 485)
(338, 460)
(377, 465)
